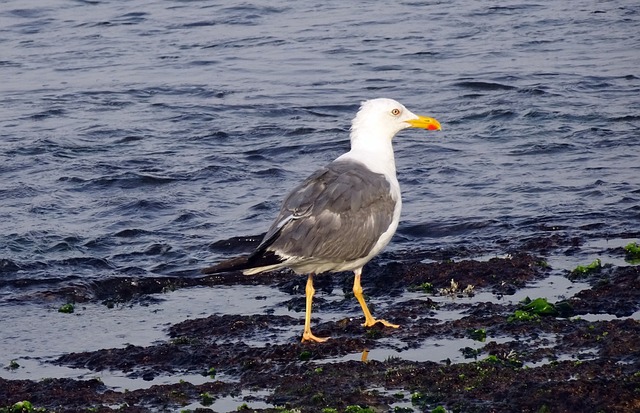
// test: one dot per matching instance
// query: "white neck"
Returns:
(374, 150)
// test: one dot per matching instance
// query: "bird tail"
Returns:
(234, 264)
(249, 264)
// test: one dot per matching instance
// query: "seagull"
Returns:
(344, 214)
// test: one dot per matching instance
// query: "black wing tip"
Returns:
(238, 263)
(209, 270)
(245, 262)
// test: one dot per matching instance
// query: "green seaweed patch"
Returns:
(632, 251)
(358, 409)
(510, 359)
(532, 310)
(206, 399)
(425, 287)
(211, 373)
(24, 406)
(539, 306)
(477, 334)
(423, 400)
(13, 365)
(66, 308)
(521, 315)
(583, 270)
(417, 398)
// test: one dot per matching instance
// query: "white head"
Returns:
(378, 121)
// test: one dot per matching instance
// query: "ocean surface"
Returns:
(134, 135)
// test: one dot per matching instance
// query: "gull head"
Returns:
(383, 118)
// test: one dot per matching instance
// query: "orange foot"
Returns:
(308, 336)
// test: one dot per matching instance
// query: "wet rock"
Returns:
(559, 363)
(615, 290)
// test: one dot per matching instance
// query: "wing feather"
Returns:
(338, 213)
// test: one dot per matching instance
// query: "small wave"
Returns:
(512, 8)
(188, 217)
(300, 131)
(8, 266)
(68, 244)
(130, 180)
(626, 118)
(535, 91)
(9, 63)
(542, 148)
(537, 114)
(271, 172)
(18, 192)
(209, 62)
(422, 54)
(200, 23)
(131, 18)
(478, 85)
(30, 13)
(131, 233)
(267, 154)
(129, 139)
(492, 114)
(444, 229)
(49, 113)
(231, 245)
(262, 206)
(85, 262)
(157, 249)
(144, 205)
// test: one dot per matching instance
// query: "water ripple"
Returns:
(133, 136)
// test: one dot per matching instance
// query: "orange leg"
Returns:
(368, 318)
(307, 335)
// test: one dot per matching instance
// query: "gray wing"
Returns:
(338, 214)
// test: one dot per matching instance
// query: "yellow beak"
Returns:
(424, 122)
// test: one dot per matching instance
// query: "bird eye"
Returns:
(395, 112)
